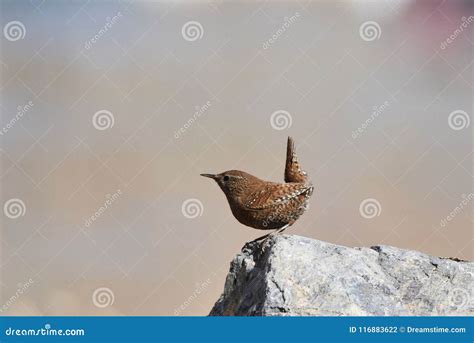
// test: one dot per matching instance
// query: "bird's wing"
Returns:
(293, 172)
(276, 194)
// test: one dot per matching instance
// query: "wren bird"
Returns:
(265, 205)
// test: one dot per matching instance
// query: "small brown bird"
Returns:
(267, 205)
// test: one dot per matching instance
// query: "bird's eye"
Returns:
(226, 178)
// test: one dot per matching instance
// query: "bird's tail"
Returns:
(293, 172)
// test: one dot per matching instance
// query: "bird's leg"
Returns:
(260, 238)
(268, 235)
(282, 229)
(276, 232)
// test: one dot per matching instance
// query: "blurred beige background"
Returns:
(101, 144)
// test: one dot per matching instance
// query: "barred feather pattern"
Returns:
(293, 172)
(267, 205)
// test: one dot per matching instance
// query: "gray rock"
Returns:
(298, 276)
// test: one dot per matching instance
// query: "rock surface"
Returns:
(298, 276)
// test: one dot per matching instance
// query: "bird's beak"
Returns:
(212, 176)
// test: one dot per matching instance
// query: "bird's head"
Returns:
(233, 182)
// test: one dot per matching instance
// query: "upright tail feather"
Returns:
(293, 172)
